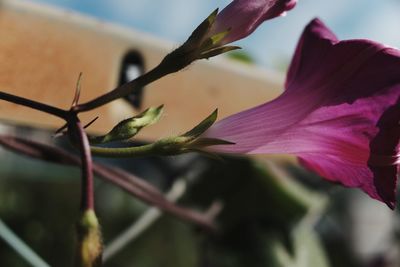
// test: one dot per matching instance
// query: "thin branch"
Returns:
(128, 182)
(125, 89)
(63, 114)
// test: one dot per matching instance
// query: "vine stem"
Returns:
(63, 114)
(87, 191)
(163, 69)
(156, 73)
(127, 152)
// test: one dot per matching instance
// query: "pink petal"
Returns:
(340, 113)
(242, 17)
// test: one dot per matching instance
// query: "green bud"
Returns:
(90, 246)
(190, 141)
(201, 44)
(189, 51)
(130, 127)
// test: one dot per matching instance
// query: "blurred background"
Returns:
(273, 213)
(273, 43)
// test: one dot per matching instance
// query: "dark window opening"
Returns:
(131, 68)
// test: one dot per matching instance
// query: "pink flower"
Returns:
(242, 17)
(340, 114)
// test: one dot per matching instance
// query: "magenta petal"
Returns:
(340, 113)
(354, 152)
(242, 17)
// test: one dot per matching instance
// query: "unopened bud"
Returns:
(130, 127)
(90, 246)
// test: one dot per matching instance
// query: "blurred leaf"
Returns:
(307, 250)
(256, 192)
(241, 56)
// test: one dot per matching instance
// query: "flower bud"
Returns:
(90, 245)
(130, 127)
(242, 17)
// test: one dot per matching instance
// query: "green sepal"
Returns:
(201, 31)
(202, 126)
(130, 127)
(213, 41)
(189, 50)
(205, 142)
(217, 38)
(218, 51)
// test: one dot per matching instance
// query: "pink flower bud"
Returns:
(242, 17)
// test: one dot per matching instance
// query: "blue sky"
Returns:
(273, 43)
